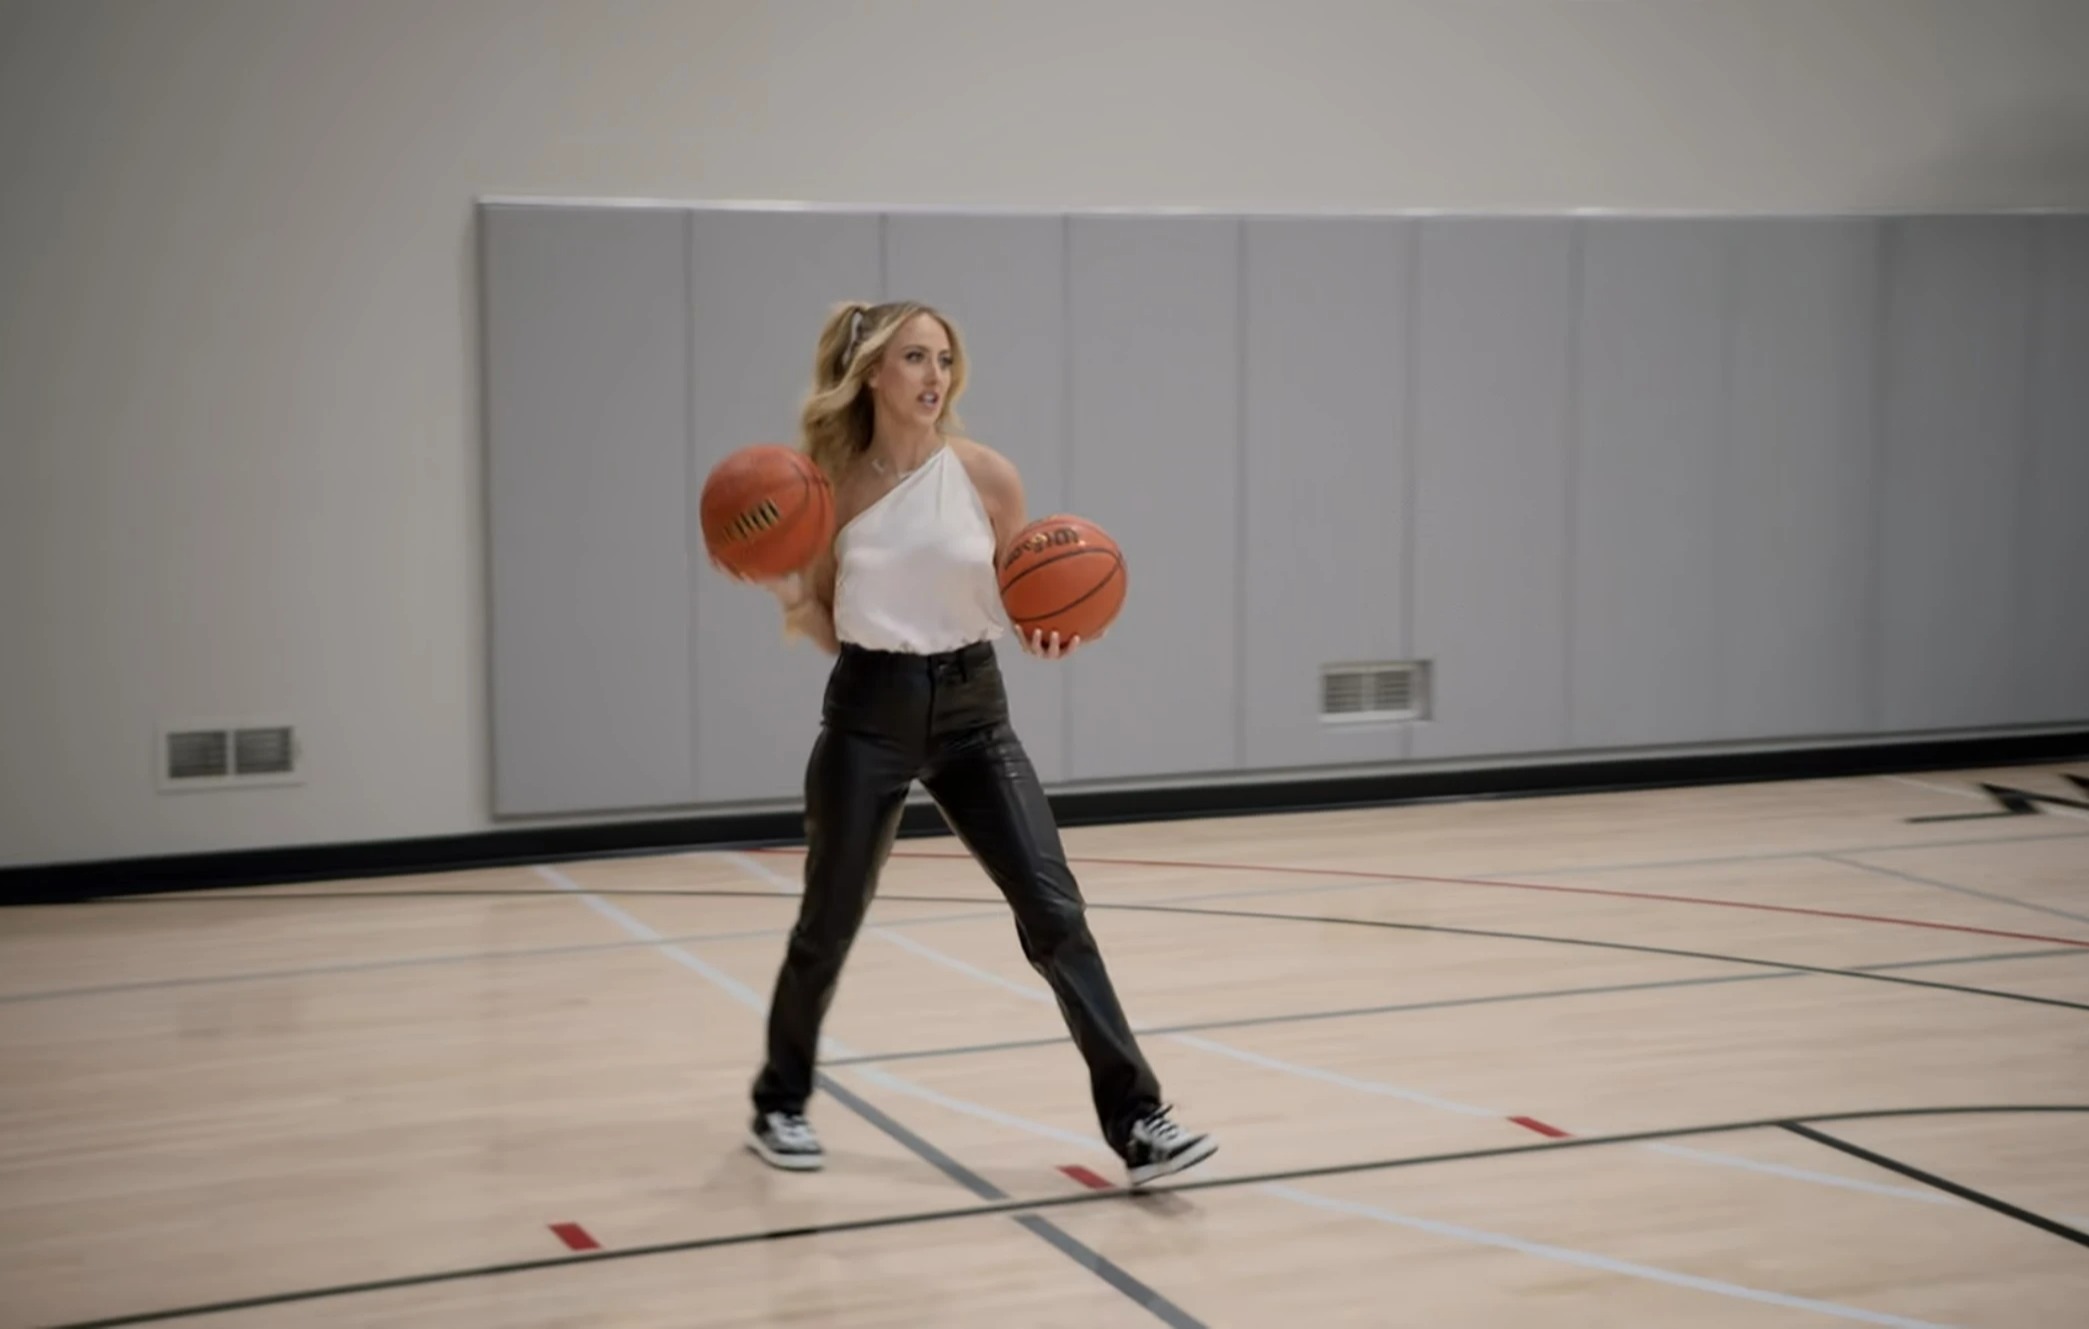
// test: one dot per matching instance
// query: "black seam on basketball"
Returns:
(1085, 596)
(754, 521)
(739, 536)
(1062, 554)
(1117, 562)
(783, 518)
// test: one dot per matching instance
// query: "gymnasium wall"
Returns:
(241, 433)
(1616, 482)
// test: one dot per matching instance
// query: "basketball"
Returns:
(1063, 574)
(766, 511)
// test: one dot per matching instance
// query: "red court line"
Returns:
(1355, 874)
(576, 1237)
(1533, 1124)
(1085, 1177)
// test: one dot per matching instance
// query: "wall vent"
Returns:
(227, 756)
(1372, 693)
(198, 754)
(270, 750)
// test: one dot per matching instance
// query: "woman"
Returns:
(908, 601)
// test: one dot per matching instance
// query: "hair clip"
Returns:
(848, 352)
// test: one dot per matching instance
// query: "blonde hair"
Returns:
(839, 414)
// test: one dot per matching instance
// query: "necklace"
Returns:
(882, 467)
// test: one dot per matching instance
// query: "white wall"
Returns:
(239, 434)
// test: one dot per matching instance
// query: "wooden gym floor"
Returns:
(1760, 1055)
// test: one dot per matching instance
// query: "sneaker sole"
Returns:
(788, 1162)
(1188, 1158)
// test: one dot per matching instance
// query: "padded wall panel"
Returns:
(1492, 394)
(1154, 323)
(1325, 563)
(586, 339)
(1953, 470)
(1643, 625)
(1795, 566)
(2052, 607)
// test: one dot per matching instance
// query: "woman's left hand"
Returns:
(1049, 647)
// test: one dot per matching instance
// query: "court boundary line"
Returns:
(1944, 1184)
(1436, 1004)
(1392, 925)
(350, 967)
(1556, 888)
(1782, 854)
(1362, 877)
(744, 859)
(988, 903)
(1593, 943)
(1879, 869)
(1016, 1205)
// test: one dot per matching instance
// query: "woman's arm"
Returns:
(808, 603)
(806, 598)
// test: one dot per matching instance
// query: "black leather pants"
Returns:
(887, 720)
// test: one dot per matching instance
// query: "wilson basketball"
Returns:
(1063, 574)
(766, 511)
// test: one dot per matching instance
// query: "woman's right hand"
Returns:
(788, 589)
(805, 612)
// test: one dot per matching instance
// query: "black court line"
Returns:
(1352, 880)
(317, 971)
(990, 908)
(1178, 903)
(1166, 1311)
(1594, 943)
(1785, 854)
(349, 967)
(443, 958)
(250, 895)
(1060, 1201)
(1442, 1004)
(1444, 929)
(1974, 891)
(1949, 1187)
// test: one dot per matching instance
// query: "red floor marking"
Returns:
(576, 1237)
(1533, 1124)
(1356, 875)
(1085, 1177)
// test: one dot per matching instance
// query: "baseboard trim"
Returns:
(102, 879)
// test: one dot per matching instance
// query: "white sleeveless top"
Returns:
(915, 570)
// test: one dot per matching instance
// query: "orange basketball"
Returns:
(766, 511)
(1063, 574)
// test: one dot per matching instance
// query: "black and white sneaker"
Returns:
(785, 1140)
(1158, 1147)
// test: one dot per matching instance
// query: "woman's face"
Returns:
(911, 384)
